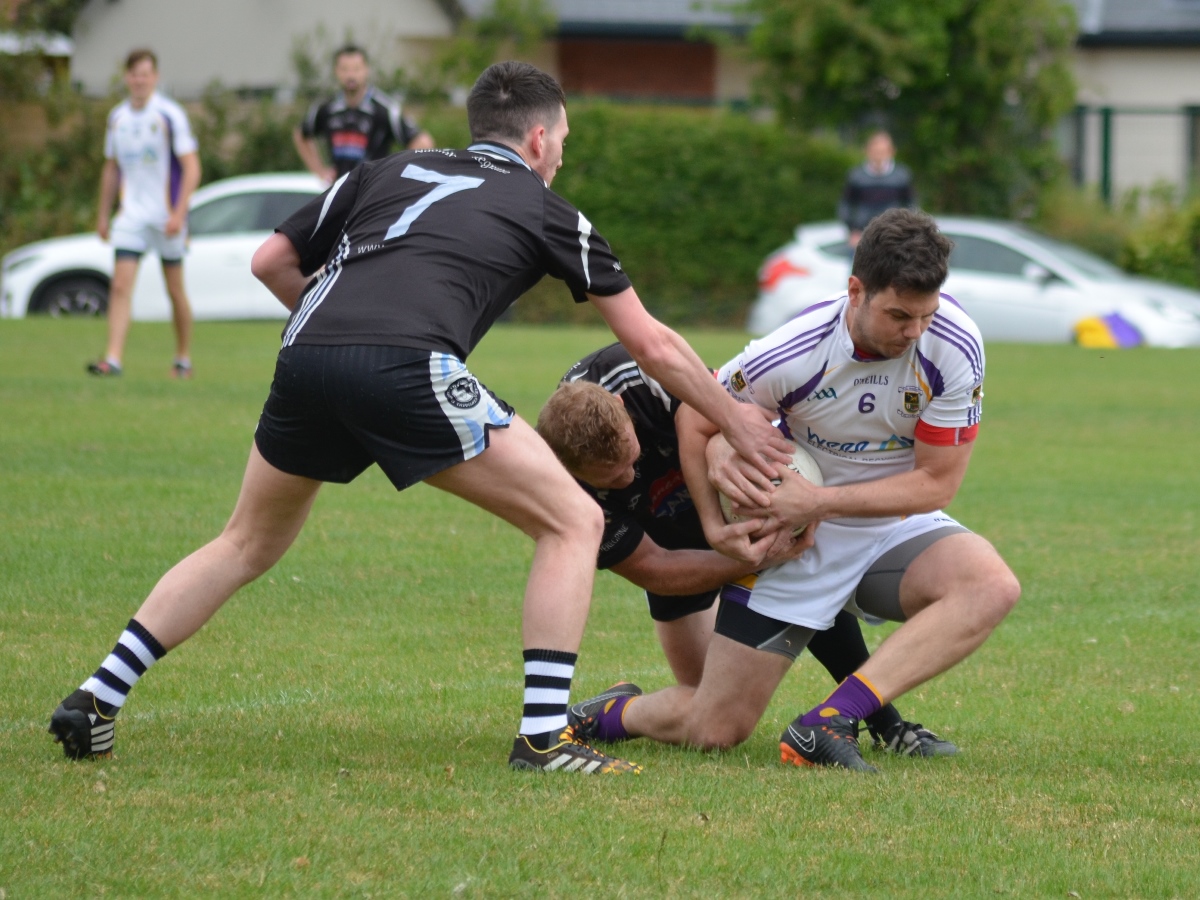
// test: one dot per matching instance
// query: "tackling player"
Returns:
(883, 385)
(150, 161)
(415, 256)
(614, 428)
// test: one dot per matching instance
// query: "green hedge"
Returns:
(692, 200)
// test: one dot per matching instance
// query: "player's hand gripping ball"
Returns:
(802, 464)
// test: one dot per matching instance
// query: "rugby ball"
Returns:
(802, 464)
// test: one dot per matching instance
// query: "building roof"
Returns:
(1138, 23)
(629, 18)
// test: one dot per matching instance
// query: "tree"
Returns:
(971, 90)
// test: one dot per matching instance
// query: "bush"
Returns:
(1165, 242)
(52, 189)
(1080, 217)
(692, 201)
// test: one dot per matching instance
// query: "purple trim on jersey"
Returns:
(809, 309)
(946, 296)
(175, 177)
(735, 593)
(793, 397)
(803, 343)
(963, 340)
(937, 384)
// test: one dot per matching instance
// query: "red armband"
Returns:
(945, 437)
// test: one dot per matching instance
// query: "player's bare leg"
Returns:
(737, 685)
(954, 594)
(271, 509)
(181, 317)
(120, 297)
(685, 642)
(520, 480)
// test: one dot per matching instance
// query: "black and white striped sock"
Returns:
(135, 652)
(548, 676)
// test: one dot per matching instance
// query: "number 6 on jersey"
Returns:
(446, 185)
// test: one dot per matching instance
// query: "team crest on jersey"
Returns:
(738, 380)
(912, 402)
(823, 394)
(463, 393)
(977, 395)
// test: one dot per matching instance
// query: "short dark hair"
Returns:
(136, 56)
(902, 249)
(349, 50)
(509, 98)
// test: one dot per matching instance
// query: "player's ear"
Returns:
(535, 140)
(856, 290)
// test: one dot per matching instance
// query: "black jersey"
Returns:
(425, 249)
(657, 503)
(357, 134)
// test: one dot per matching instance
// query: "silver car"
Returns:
(1017, 284)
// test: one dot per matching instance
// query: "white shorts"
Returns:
(129, 237)
(811, 590)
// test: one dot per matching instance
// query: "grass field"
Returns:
(340, 729)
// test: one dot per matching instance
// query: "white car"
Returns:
(1016, 284)
(227, 222)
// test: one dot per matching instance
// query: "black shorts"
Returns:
(667, 609)
(335, 410)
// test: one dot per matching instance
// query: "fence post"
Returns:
(1106, 114)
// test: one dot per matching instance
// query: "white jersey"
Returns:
(146, 144)
(860, 417)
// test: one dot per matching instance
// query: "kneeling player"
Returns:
(614, 429)
(883, 385)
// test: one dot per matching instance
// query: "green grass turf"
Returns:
(340, 729)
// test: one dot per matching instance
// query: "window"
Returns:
(240, 213)
(981, 255)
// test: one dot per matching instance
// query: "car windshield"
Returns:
(247, 212)
(1087, 263)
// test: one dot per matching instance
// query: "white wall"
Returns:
(1147, 147)
(244, 43)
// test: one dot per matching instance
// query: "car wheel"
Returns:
(76, 295)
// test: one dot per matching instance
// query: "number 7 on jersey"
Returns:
(446, 185)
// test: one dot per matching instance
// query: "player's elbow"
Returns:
(272, 258)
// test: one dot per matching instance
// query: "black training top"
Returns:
(657, 503)
(425, 249)
(867, 194)
(357, 134)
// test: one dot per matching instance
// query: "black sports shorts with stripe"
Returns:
(334, 410)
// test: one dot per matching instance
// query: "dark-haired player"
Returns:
(360, 124)
(883, 385)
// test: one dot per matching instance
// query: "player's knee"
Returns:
(581, 515)
(1006, 591)
(994, 597)
(719, 733)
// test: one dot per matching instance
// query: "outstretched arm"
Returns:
(665, 356)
